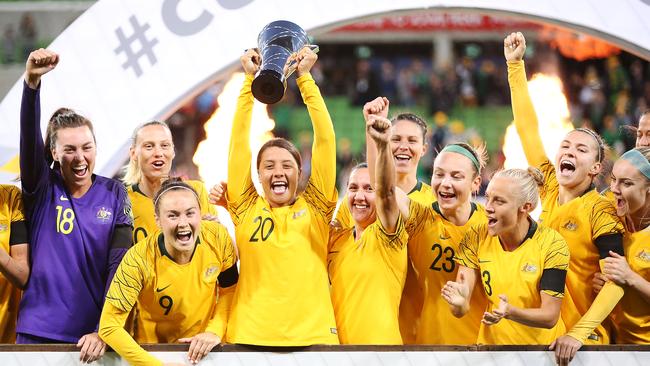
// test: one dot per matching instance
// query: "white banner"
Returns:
(127, 62)
(591, 358)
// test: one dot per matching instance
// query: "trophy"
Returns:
(276, 43)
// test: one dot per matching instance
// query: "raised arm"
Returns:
(33, 166)
(377, 107)
(378, 129)
(323, 157)
(525, 117)
(239, 154)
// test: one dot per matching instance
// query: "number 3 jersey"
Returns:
(538, 265)
(433, 243)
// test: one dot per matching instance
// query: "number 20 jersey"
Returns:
(433, 243)
(283, 295)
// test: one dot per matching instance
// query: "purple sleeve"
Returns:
(33, 167)
(122, 238)
(124, 214)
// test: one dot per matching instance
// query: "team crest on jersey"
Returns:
(644, 255)
(211, 272)
(570, 225)
(104, 215)
(529, 268)
(300, 213)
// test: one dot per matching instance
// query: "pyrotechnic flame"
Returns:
(553, 116)
(212, 153)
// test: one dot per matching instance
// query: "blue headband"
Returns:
(639, 161)
(458, 149)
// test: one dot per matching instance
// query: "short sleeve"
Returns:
(604, 220)
(467, 254)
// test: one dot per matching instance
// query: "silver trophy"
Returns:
(276, 43)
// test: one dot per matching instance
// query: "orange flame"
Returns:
(577, 45)
(553, 115)
(212, 153)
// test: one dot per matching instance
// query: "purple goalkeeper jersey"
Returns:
(70, 248)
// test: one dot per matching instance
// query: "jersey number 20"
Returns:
(263, 230)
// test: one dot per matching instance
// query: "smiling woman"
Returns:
(173, 278)
(77, 220)
(282, 236)
(150, 162)
(572, 206)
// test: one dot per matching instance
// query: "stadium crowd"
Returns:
(96, 262)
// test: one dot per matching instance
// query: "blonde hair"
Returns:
(527, 182)
(132, 172)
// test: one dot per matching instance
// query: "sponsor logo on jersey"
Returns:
(300, 213)
(333, 330)
(103, 214)
(643, 255)
(63, 198)
(211, 272)
(158, 289)
(3, 227)
(529, 268)
(570, 225)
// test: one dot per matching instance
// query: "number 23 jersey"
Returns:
(433, 243)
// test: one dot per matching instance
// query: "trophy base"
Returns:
(268, 87)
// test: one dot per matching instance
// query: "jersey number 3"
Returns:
(263, 230)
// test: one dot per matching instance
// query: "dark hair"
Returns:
(133, 173)
(355, 168)
(172, 184)
(412, 118)
(599, 141)
(283, 144)
(63, 118)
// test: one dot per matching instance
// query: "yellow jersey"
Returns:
(433, 244)
(12, 231)
(632, 315)
(144, 220)
(367, 277)
(517, 274)
(283, 296)
(174, 300)
(580, 221)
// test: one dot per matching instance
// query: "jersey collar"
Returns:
(436, 207)
(163, 250)
(417, 188)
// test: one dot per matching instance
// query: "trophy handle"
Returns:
(291, 66)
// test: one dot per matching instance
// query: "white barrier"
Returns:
(345, 356)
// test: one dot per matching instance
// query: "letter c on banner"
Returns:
(179, 26)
